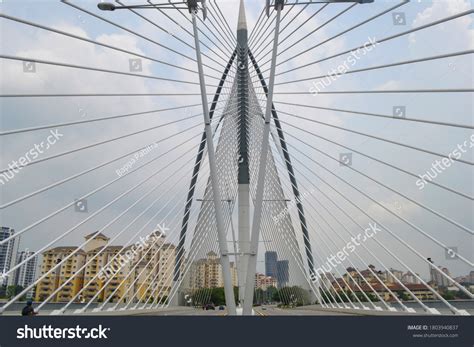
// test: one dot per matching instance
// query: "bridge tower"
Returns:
(251, 122)
(243, 174)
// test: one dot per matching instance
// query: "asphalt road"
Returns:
(275, 311)
(269, 310)
(184, 312)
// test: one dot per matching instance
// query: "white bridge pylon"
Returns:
(238, 154)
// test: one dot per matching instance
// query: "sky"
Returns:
(25, 41)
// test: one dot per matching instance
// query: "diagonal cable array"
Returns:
(309, 152)
(162, 165)
(330, 165)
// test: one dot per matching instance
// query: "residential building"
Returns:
(207, 272)
(410, 278)
(393, 276)
(263, 282)
(98, 257)
(8, 253)
(25, 275)
(67, 273)
(370, 275)
(152, 278)
(108, 271)
(421, 291)
(466, 279)
(436, 276)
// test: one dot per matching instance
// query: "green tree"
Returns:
(201, 296)
(449, 295)
(325, 296)
(295, 296)
(3, 291)
(218, 296)
(461, 295)
(269, 293)
(258, 296)
(13, 291)
(403, 296)
(161, 300)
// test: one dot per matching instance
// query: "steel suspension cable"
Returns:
(373, 200)
(388, 38)
(12, 300)
(119, 49)
(417, 120)
(67, 2)
(54, 156)
(391, 233)
(423, 150)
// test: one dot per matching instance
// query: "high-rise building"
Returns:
(393, 275)
(283, 275)
(271, 259)
(207, 273)
(153, 275)
(444, 282)
(410, 278)
(25, 275)
(109, 271)
(66, 272)
(437, 277)
(96, 262)
(8, 252)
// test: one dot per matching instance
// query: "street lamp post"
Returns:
(108, 6)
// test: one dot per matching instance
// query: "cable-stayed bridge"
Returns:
(250, 183)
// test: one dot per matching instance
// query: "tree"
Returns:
(461, 295)
(402, 295)
(449, 295)
(160, 299)
(218, 296)
(3, 291)
(258, 296)
(269, 293)
(201, 296)
(276, 296)
(295, 296)
(325, 296)
(13, 291)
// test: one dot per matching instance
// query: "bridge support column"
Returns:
(252, 263)
(243, 174)
(221, 233)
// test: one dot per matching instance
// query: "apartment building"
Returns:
(8, 254)
(25, 275)
(66, 275)
(207, 272)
